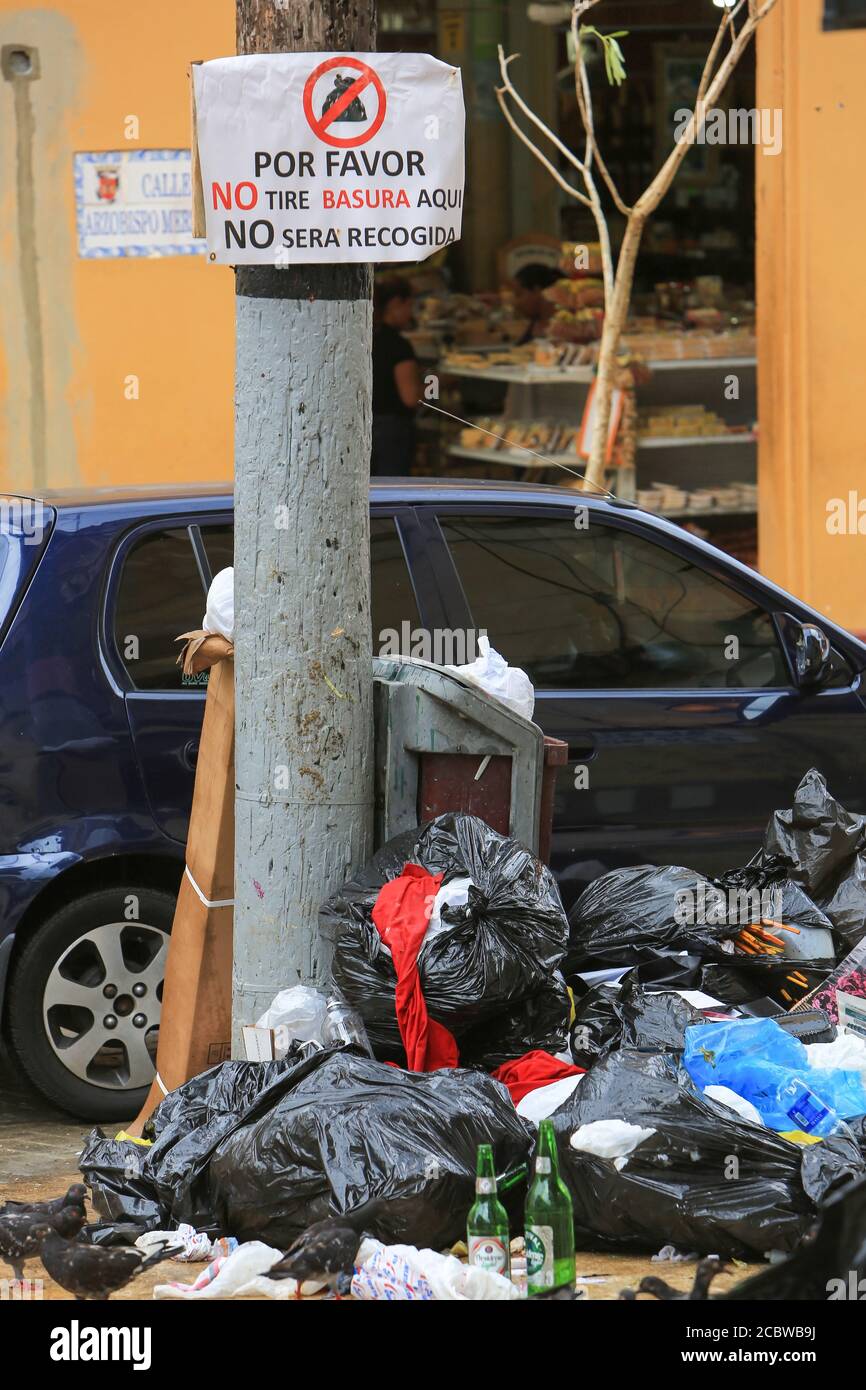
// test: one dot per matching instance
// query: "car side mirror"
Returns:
(810, 648)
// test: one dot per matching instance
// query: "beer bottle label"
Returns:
(489, 1252)
(485, 1186)
(542, 1165)
(539, 1257)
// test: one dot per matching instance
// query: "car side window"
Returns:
(603, 609)
(160, 596)
(392, 595)
(219, 544)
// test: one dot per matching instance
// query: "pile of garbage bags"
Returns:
(694, 1105)
(698, 1177)
(262, 1150)
(803, 895)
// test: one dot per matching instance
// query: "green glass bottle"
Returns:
(487, 1223)
(549, 1220)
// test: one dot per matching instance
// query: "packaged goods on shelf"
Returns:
(679, 421)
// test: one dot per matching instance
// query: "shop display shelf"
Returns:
(524, 376)
(680, 441)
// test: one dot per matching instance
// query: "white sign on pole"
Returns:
(329, 157)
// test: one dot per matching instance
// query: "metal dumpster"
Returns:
(443, 744)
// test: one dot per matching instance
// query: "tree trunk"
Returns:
(615, 318)
(302, 605)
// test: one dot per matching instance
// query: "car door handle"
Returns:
(189, 756)
(582, 751)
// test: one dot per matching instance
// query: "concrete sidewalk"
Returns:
(37, 1141)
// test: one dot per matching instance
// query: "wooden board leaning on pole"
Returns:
(195, 1027)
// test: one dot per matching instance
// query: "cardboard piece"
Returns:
(195, 1026)
(259, 1044)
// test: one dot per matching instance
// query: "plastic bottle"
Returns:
(344, 1026)
(807, 1111)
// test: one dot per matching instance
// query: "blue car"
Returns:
(693, 695)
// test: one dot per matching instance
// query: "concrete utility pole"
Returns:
(304, 738)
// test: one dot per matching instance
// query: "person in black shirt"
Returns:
(530, 301)
(396, 381)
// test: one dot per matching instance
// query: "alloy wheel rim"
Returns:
(102, 1004)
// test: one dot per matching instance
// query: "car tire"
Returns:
(100, 958)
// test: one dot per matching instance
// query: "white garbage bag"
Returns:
(220, 614)
(493, 673)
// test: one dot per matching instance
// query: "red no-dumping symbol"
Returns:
(349, 94)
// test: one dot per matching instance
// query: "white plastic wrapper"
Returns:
(744, 1108)
(196, 1247)
(847, 1052)
(239, 1274)
(493, 673)
(404, 1274)
(220, 614)
(299, 1013)
(614, 1139)
(538, 1104)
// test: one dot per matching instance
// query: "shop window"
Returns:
(604, 609)
(845, 14)
(161, 595)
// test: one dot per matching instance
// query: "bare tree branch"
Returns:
(591, 198)
(585, 107)
(542, 158)
(652, 196)
(512, 91)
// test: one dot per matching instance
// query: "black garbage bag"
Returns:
(633, 1016)
(138, 1185)
(539, 1022)
(354, 1130)
(824, 847)
(817, 837)
(844, 902)
(121, 1189)
(762, 889)
(705, 1180)
(626, 911)
(316, 1135)
(829, 1266)
(501, 949)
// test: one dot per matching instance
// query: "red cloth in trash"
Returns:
(532, 1070)
(400, 914)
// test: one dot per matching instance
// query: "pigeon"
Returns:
(74, 1196)
(22, 1233)
(699, 1292)
(95, 1271)
(326, 1252)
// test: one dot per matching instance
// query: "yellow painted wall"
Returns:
(168, 321)
(812, 308)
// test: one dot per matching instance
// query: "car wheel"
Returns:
(85, 998)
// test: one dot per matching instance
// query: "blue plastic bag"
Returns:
(761, 1062)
